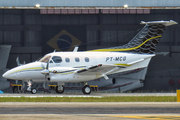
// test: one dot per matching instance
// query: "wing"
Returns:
(101, 69)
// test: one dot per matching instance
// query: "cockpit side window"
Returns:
(57, 59)
(45, 59)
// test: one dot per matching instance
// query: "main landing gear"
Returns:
(86, 89)
(60, 89)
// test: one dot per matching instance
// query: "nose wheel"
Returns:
(86, 89)
(33, 91)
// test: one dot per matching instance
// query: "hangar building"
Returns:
(32, 26)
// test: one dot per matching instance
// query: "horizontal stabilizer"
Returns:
(165, 23)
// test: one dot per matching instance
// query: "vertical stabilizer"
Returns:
(145, 41)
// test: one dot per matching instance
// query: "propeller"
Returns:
(46, 70)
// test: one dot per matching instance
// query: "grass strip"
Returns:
(92, 99)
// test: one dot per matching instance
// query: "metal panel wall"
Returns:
(12, 19)
(1, 37)
(33, 19)
(109, 19)
(92, 38)
(33, 38)
(12, 38)
(109, 38)
(1, 19)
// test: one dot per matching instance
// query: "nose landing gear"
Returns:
(29, 82)
(33, 91)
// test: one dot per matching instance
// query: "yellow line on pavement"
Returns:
(173, 117)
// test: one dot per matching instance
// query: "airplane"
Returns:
(4, 53)
(84, 66)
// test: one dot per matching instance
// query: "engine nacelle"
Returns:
(70, 77)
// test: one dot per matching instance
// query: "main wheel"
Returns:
(60, 90)
(86, 89)
(33, 91)
(15, 89)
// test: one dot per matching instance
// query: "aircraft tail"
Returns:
(145, 41)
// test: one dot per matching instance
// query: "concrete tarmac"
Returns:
(90, 110)
(82, 95)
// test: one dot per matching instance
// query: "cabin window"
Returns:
(45, 59)
(57, 59)
(77, 59)
(67, 60)
(86, 59)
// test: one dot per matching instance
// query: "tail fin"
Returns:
(145, 41)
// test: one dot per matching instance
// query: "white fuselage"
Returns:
(73, 61)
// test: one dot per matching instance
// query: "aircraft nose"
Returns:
(5, 75)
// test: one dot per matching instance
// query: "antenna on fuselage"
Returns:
(17, 61)
(55, 50)
(75, 49)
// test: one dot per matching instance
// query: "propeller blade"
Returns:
(47, 67)
(46, 70)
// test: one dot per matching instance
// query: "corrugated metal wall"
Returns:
(23, 27)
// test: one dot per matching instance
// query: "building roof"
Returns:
(76, 4)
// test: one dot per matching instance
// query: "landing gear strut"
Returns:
(33, 91)
(29, 82)
(60, 89)
(86, 89)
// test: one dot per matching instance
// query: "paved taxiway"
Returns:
(89, 107)
(89, 110)
(91, 95)
(89, 117)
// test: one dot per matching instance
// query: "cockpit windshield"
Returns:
(45, 59)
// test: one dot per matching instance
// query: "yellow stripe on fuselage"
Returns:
(122, 64)
(33, 68)
(124, 49)
(65, 73)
